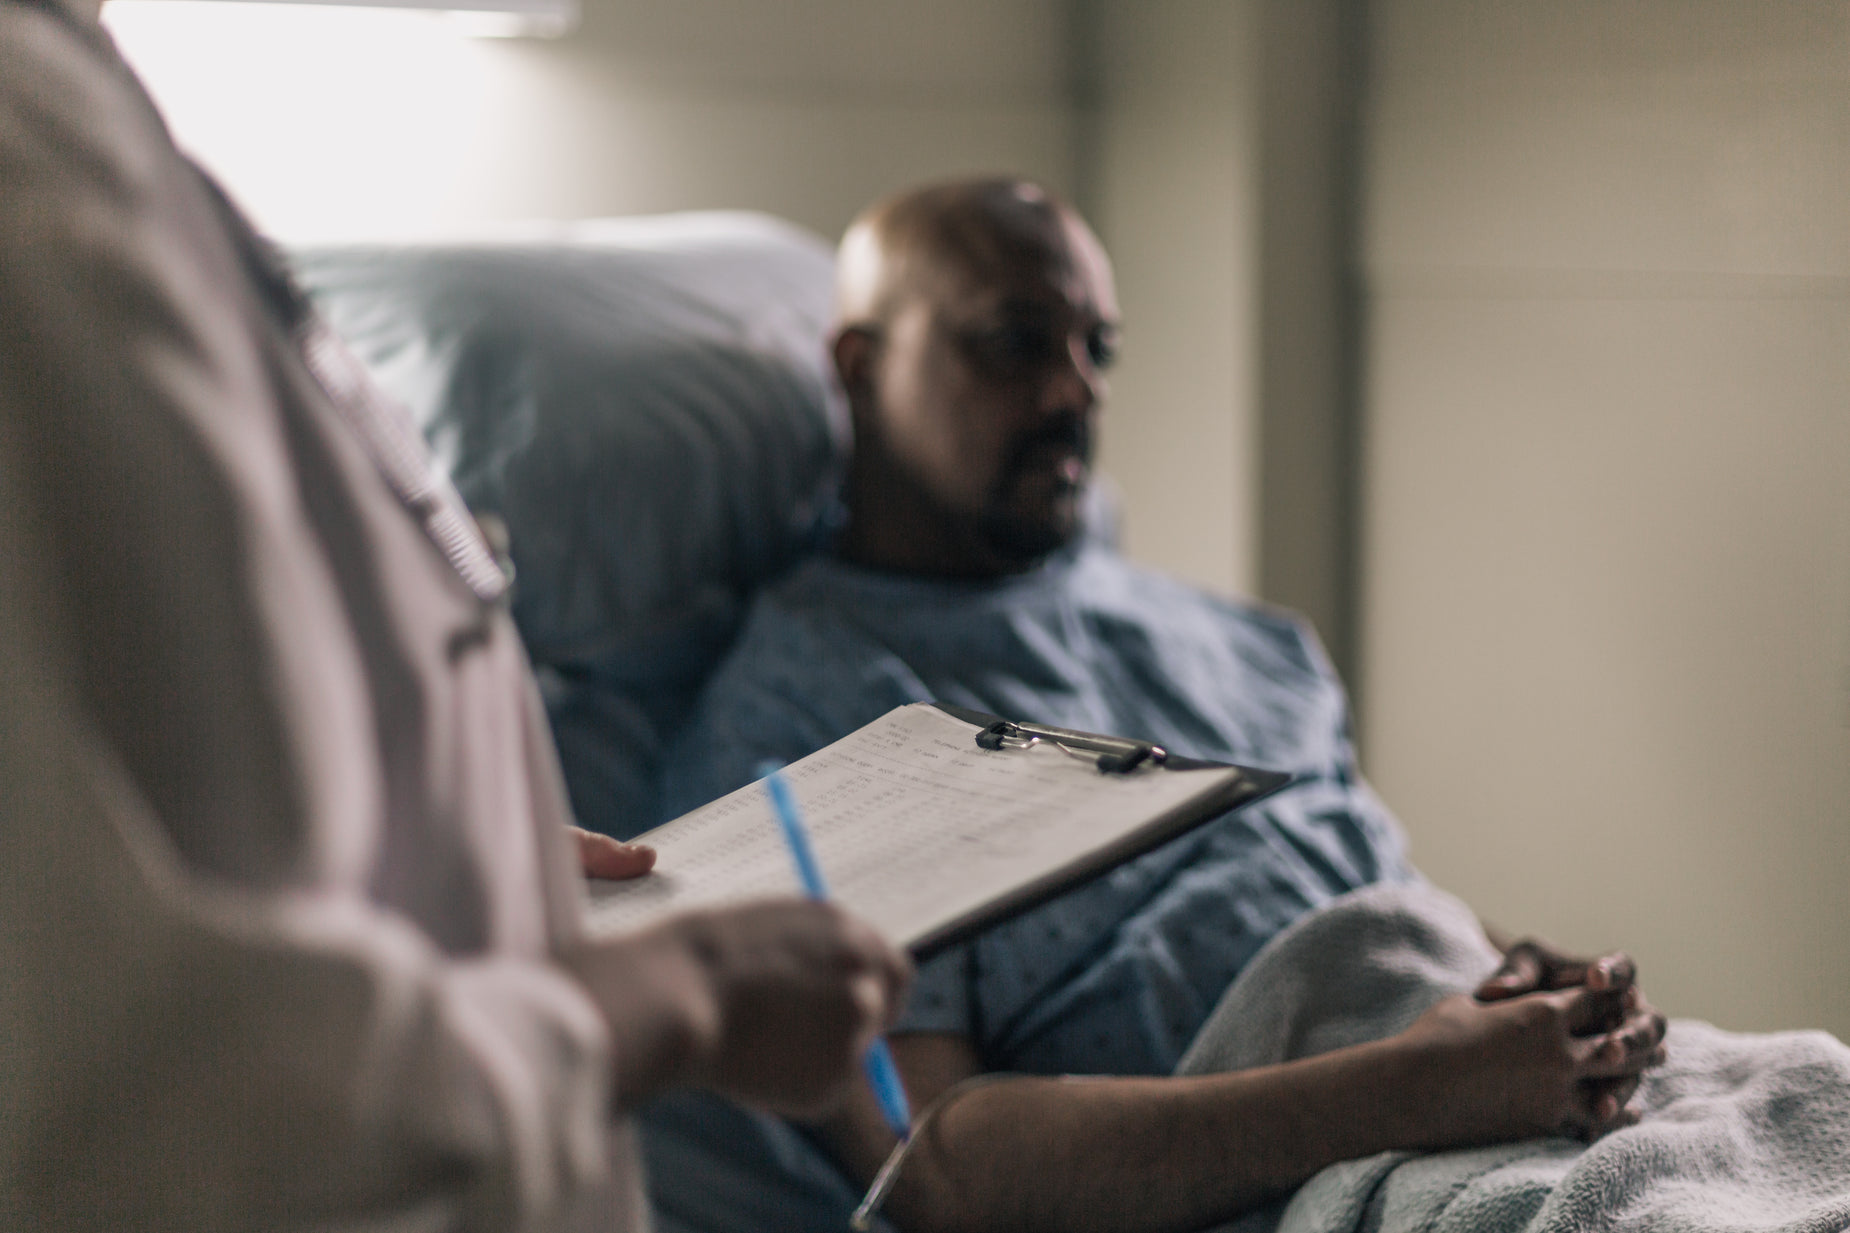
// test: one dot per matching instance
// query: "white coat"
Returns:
(281, 847)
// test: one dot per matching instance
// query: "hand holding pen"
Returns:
(882, 1074)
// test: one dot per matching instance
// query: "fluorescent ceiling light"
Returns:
(481, 18)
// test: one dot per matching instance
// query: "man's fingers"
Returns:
(1533, 966)
(603, 857)
(1599, 1110)
(1520, 973)
(1627, 1050)
(1608, 1106)
(1614, 971)
(1592, 1013)
(1622, 1090)
(1606, 1114)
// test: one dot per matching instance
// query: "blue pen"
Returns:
(882, 1074)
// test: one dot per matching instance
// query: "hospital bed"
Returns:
(643, 404)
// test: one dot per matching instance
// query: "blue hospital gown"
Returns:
(1115, 976)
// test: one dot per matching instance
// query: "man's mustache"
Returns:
(1064, 434)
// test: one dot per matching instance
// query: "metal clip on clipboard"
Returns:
(1113, 755)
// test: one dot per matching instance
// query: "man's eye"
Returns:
(1025, 347)
(1102, 348)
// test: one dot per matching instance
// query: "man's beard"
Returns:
(1024, 536)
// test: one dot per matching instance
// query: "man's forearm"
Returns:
(1137, 1154)
(1149, 1153)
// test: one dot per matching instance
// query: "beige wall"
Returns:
(1607, 535)
(1218, 159)
(807, 110)
(1174, 197)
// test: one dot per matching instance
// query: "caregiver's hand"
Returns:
(772, 1003)
(1524, 1066)
(604, 857)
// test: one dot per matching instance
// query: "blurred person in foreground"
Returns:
(289, 911)
(976, 320)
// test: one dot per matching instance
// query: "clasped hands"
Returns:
(1547, 1044)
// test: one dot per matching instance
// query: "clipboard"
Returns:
(936, 823)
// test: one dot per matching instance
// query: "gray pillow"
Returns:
(644, 403)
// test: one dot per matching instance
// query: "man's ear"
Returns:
(855, 350)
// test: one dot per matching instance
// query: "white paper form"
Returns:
(916, 828)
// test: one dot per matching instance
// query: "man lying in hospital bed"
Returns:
(975, 322)
(1046, 623)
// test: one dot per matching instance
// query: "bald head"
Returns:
(920, 237)
(975, 319)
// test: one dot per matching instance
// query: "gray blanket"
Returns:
(1741, 1134)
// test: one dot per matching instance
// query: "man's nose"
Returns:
(1073, 383)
